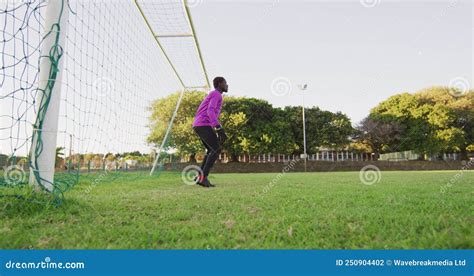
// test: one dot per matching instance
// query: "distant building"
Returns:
(131, 163)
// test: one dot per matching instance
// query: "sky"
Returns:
(352, 54)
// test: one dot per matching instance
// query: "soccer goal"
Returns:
(77, 79)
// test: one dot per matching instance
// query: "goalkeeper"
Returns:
(209, 130)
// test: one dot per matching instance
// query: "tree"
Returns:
(3, 160)
(182, 135)
(458, 132)
(249, 119)
(433, 121)
(110, 157)
(88, 157)
(378, 134)
(339, 131)
(254, 126)
(59, 157)
(233, 123)
(323, 128)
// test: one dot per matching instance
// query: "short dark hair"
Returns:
(217, 81)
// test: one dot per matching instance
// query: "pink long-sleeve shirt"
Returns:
(209, 110)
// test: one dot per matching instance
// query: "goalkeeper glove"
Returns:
(221, 134)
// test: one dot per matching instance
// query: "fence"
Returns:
(331, 156)
(132, 165)
(334, 156)
(399, 156)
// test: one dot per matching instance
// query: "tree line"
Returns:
(429, 122)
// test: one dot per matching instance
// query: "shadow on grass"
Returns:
(25, 202)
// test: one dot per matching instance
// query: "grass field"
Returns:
(302, 210)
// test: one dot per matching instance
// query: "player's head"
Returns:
(220, 84)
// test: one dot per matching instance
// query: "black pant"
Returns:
(209, 139)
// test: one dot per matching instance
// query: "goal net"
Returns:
(77, 82)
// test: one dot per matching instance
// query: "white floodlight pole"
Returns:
(303, 87)
(43, 156)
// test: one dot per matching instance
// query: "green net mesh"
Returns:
(112, 70)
